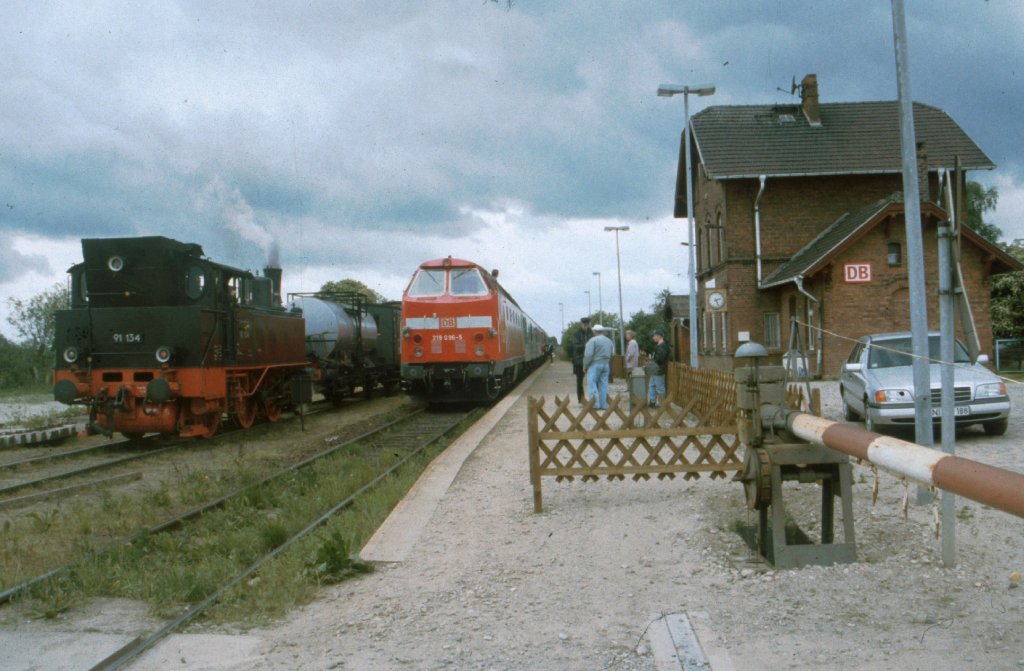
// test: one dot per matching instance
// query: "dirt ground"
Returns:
(585, 584)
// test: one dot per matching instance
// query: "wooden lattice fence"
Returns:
(712, 392)
(638, 442)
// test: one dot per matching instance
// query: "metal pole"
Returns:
(669, 90)
(915, 252)
(622, 321)
(590, 308)
(561, 309)
(600, 299)
(947, 324)
(693, 239)
(618, 265)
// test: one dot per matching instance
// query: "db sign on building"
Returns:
(857, 273)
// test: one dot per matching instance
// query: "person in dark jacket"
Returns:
(579, 344)
(659, 367)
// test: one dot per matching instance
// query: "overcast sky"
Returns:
(366, 137)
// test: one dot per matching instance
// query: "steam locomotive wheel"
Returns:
(211, 421)
(757, 478)
(245, 411)
(271, 411)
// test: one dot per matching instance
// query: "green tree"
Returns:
(35, 320)
(19, 365)
(1008, 298)
(979, 201)
(644, 322)
(351, 286)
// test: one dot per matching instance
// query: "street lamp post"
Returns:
(561, 309)
(590, 308)
(618, 265)
(667, 91)
(600, 300)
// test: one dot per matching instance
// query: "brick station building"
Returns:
(799, 215)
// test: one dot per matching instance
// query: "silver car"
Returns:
(877, 384)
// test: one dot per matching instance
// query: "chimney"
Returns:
(922, 172)
(809, 100)
(274, 274)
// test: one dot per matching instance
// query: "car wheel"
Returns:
(996, 428)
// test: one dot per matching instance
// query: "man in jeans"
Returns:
(596, 362)
(659, 366)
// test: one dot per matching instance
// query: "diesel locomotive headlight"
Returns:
(115, 263)
(418, 352)
(71, 354)
(163, 354)
(479, 351)
(491, 332)
(406, 331)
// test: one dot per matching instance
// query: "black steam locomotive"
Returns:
(160, 339)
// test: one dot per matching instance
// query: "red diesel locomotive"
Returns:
(464, 338)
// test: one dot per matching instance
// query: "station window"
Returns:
(772, 330)
(895, 255)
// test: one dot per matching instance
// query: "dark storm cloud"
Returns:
(347, 130)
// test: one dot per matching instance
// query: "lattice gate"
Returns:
(619, 441)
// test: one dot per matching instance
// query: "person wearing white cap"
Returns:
(597, 363)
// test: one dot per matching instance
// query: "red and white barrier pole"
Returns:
(991, 486)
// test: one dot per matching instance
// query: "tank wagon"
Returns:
(160, 339)
(464, 338)
(350, 342)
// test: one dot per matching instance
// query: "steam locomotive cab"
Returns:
(160, 339)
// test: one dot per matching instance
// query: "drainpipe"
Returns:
(757, 227)
(800, 286)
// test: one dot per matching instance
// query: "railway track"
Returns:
(44, 467)
(405, 438)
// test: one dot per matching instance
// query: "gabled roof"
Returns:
(747, 141)
(851, 226)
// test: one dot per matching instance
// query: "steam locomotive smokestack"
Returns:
(273, 271)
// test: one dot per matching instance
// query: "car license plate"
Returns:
(958, 411)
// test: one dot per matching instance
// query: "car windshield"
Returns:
(894, 352)
(428, 283)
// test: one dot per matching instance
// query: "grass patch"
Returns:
(173, 571)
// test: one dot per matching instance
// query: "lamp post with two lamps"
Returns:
(667, 91)
(618, 265)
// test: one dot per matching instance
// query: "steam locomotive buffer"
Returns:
(160, 339)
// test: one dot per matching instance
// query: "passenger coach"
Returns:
(464, 338)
